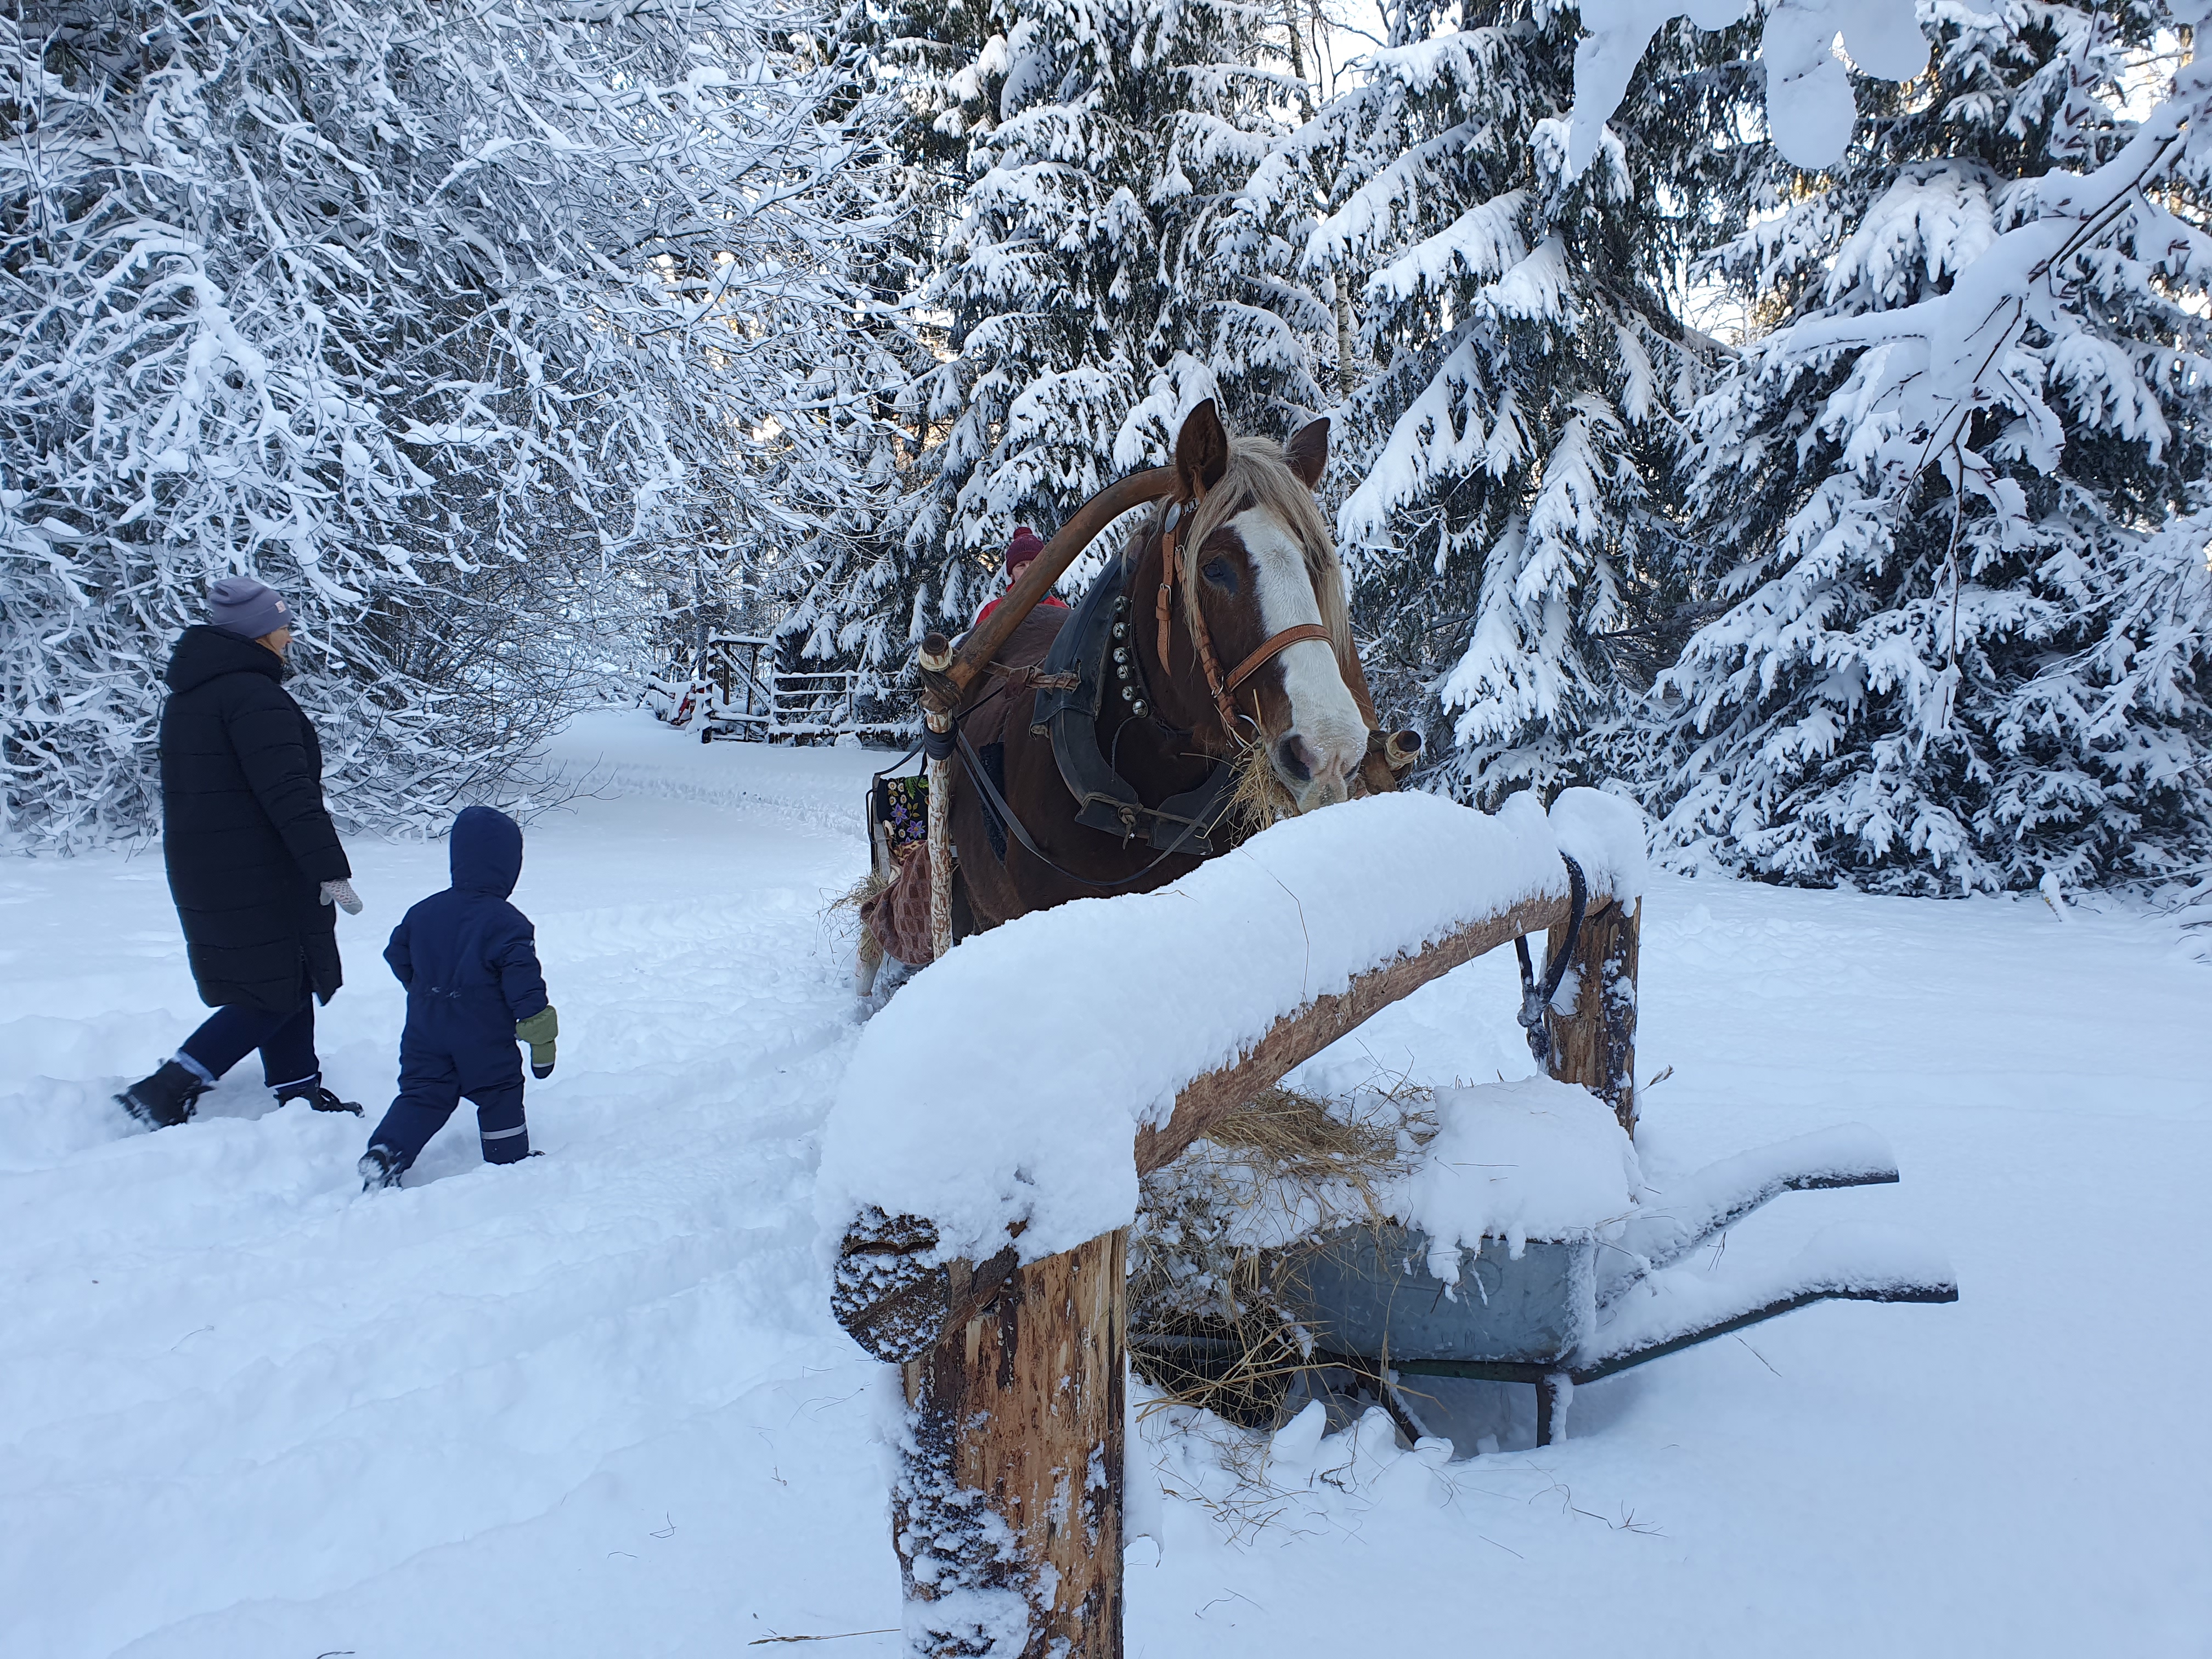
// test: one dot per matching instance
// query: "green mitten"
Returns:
(540, 1031)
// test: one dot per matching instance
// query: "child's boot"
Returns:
(380, 1166)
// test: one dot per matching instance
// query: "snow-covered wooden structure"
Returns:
(736, 690)
(978, 1181)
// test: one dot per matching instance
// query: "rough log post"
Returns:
(1595, 1045)
(1007, 1510)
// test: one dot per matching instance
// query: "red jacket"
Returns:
(994, 605)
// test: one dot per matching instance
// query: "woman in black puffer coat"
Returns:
(254, 861)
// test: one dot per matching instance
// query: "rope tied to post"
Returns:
(1535, 997)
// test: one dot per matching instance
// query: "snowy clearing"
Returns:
(596, 1404)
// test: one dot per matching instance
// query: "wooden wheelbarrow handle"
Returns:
(948, 673)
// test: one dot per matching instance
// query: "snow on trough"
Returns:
(1007, 1082)
(1533, 1159)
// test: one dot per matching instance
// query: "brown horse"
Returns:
(1220, 628)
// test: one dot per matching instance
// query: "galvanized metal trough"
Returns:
(1562, 1312)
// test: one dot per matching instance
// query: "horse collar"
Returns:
(1095, 650)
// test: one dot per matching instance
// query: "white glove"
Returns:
(341, 894)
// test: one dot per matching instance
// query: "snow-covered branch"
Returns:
(460, 325)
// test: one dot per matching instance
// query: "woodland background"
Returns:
(513, 340)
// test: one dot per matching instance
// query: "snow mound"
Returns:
(1302, 1478)
(1534, 1159)
(1006, 1083)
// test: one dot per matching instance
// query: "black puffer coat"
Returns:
(244, 830)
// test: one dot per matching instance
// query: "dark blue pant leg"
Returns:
(498, 1122)
(430, 1089)
(288, 1054)
(287, 1042)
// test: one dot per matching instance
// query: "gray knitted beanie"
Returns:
(245, 607)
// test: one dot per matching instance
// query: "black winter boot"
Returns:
(319, 1097)
(380, 1166)
(165, 1099)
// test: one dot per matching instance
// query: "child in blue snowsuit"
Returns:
(469, 960)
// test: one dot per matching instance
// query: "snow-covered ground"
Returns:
(595, 1405)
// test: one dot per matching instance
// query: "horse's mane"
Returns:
(1260, 475)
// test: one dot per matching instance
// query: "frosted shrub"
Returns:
(459, 326)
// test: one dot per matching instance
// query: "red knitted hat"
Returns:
(1025, 546)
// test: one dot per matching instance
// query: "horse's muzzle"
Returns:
(1315, 776)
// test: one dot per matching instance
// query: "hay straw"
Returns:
(1257, 797)
(1205, 1296)
(871, 951)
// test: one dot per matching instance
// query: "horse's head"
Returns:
(1255, 563)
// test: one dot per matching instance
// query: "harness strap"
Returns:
(1164, 605)
(996, 803)
(1535, 998)
(1224, 687)
(1032, 677)
(1201, 638)
(1224, 699)
(1274, 647)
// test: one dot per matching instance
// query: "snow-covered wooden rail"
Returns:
(979, 1170)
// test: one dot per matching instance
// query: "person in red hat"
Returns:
(1024, 547)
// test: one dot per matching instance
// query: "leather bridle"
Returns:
(1224, 687)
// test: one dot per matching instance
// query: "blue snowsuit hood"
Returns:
(485, 852)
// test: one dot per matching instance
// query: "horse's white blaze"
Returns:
(1322, 712)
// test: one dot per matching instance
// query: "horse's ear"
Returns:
(1201, 451)
(1308, 452)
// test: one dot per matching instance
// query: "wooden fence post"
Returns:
(1007, 1510)
(1595, 1045)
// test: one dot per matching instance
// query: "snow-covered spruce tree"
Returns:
(857, 592)
(842, 594)
(454, 325)
(1107, 270)
(1508, 534)
(1093, 267)
(1984, 662)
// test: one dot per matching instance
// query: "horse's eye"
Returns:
(1219, 573)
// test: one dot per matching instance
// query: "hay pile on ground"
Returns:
(1206, 1258)
(875, 882)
